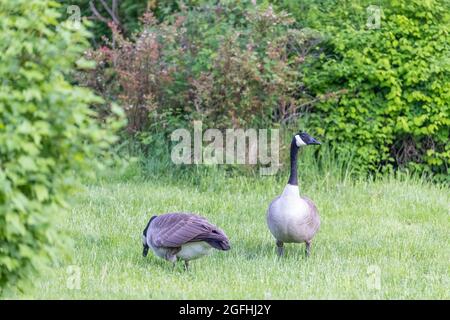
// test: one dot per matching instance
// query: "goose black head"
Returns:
(303, 139)
(144, 237)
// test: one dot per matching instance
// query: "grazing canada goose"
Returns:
(184, 236)
(292, 218)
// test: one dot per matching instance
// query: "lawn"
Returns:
(387, 239)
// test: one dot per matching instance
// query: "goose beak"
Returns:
(145, 252)
(314, 141)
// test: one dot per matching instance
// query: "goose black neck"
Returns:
(148, 225)
(293, 179)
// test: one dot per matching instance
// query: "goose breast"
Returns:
(293, 219)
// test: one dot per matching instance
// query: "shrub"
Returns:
(48, 134)
(227, 64)
(246, 70)
(397, 78)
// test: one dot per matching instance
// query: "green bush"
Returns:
(48, 134)
(396, 104)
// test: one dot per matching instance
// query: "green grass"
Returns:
(399, 227)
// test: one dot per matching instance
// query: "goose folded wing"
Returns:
(174, 230)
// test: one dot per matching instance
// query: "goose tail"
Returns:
(223, 245)
(219, 240)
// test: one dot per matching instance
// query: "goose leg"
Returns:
(186, 265)
(308, 248)
(280, 248)
(172, 258)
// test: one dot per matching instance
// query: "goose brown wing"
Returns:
(175, 229)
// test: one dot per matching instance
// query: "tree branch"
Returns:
(111, 12)
(115, 7)
(96, 13)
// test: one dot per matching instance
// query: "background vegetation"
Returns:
(378, 97)
(378, 94)
(396, 106)
(47, 131)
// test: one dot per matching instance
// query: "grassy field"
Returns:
(384, 239)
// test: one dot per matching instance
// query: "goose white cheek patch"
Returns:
(299, 142)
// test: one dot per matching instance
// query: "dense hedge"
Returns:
(397, 79)
(47, 132)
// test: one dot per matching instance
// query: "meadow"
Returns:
(385, 238)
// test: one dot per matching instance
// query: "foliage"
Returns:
(47, 131)
(323, 14)
(128, 12)
(225, 64)
(397, 79)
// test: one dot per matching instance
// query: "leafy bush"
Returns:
(48, 134)
(329, 14)
(227, 64)
(396, 108)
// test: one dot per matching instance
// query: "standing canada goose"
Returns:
(184, 236)
(293, 218)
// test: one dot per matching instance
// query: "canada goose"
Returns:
(293, 218)
(184, 236)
